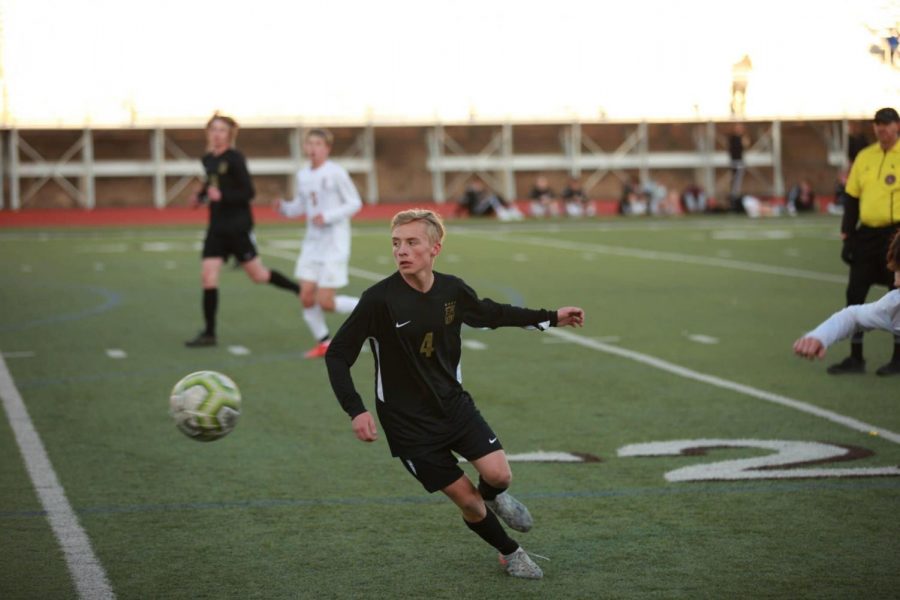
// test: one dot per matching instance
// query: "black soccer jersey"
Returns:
(415, 340)
(228, 172)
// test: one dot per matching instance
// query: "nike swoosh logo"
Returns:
(492, 440)
(399, 325)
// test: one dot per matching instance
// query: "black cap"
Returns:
(886, 115)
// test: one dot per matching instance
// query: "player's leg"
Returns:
(480, 446)
(334, 275)
(314, 316)
(331, 301)
(209, 275)
(245, 250)
(486, 526)
(494, 479)
(440, 471)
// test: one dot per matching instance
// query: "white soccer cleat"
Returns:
(519, 564)
(513, 512)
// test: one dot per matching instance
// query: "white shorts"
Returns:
(326, 274)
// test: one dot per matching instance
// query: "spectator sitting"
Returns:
(479, 201)
(837, 207)
(576, 201)
(632, 201)
(543, 200)
(801, 198)
(693, 199)
(655, 196)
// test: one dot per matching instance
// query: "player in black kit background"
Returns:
(413, 319)
(229, 190)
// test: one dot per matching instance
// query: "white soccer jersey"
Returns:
(881, 314)
(326, 191)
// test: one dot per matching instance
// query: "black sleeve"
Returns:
(343, 352)
(243, 192)
(851, 215)
(478, 312)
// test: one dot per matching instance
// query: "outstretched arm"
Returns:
(882, 314)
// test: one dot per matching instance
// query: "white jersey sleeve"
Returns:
(882, 314)
(349, 201)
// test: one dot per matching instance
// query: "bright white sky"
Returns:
(71, 62)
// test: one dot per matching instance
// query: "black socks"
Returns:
(490, 530)
(210, 306)
(487, 491)
(279, 280)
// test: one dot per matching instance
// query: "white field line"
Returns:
(116, 353)
(718, 382)
(661, 364)
(88, 574)
(21, 354)
(239, 350)
(707, 261)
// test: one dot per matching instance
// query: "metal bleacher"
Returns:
(447, 161)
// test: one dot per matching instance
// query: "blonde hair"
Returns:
(229, 122)
(323, 133)
(434, 225)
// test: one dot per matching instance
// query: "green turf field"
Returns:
(680, 314)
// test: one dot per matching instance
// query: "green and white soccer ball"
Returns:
(206, 405)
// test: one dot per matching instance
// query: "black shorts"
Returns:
(222, 245)
(437, 468)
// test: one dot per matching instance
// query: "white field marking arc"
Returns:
(474, 345)
(87, 573)
(707, 261)
(740, 388)
(718, 382)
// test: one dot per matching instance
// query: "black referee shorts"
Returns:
(437, 468)
(222, 245)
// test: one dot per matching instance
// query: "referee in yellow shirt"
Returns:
(871, 217)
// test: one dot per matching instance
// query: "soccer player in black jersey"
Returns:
(413, 320)
(229, 190)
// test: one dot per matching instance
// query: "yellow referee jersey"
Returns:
(875, 180)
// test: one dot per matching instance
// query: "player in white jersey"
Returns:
(882, 314)
(327, 197)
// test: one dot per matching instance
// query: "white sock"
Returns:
(315, 319)
(345, 304)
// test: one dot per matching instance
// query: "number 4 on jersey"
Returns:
(427, 347)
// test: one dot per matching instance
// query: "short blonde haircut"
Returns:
(434, 225)
(321, 132)
(229, 122)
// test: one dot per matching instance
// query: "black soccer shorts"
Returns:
(438, 467)
(222, 245)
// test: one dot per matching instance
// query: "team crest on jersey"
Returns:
(449, 312)
(890, 179)
(223, 167)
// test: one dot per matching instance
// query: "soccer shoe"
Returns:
(202, 340)
(513, 512)
(891, 368)
(519, 564)
(847, 366)
(317, 351)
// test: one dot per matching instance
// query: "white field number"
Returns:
(785, 463)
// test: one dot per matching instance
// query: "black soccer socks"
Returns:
(279, 280)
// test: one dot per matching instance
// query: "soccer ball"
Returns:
(205, 405)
